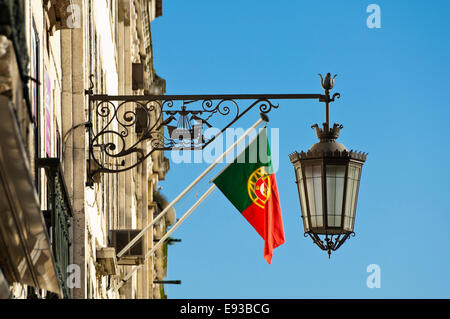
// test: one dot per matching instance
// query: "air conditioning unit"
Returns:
(106, 262)
(120, 238)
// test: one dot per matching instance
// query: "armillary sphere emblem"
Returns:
(259, 186)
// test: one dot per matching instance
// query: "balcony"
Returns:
(58, 218)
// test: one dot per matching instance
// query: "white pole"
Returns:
(163, 239)
(187, 189)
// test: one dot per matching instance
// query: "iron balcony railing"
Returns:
(58, 216)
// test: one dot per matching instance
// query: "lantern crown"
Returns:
(326, 133)
(328, 137)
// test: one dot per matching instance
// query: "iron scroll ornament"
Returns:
(166, 123)
(330, 242)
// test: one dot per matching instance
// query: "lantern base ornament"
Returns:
(331, 243)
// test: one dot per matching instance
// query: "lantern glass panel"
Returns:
(313, 175)
(301, 190)
(353, 178)
(335, 194)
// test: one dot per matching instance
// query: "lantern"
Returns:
(327, 178)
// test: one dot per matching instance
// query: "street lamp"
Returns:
(327, 178)
(327, 175)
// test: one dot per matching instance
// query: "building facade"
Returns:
(60, 229)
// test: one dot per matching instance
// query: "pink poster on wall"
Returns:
(48, 123)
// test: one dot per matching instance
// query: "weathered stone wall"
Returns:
(106, 38)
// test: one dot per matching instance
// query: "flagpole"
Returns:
(163, 239)
(187, 189)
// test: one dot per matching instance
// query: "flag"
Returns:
(249, 184)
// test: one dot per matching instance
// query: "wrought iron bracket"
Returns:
(167, 122)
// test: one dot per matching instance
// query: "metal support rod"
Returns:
(170, 240)
(196, 97)
(173, 282)
(187, 189)
(161, 241)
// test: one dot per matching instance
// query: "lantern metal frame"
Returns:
(334, 236)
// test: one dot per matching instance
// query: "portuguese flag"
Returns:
(249, 183)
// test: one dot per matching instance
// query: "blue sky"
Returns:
(394, 83)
